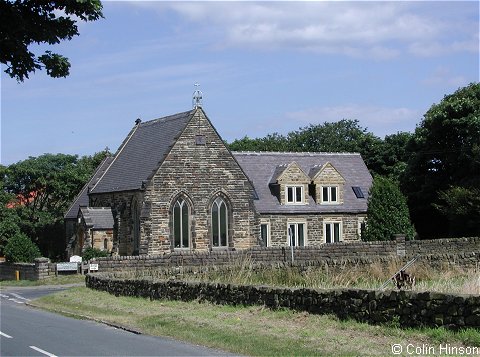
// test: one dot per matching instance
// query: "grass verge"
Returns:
(249, 330)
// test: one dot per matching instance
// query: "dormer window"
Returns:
(293, 195)
(329, 194)
(289, 183)
(329, 184)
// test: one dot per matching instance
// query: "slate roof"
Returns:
(97, 217)
(260, 167)
(82, 197)
(279, 170)
(142, 152)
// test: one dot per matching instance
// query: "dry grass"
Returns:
(446, 279)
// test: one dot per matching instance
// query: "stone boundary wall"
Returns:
(443, 246)
(409, 309)
(462, 252)
(38, 270)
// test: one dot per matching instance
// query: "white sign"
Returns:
(93, 267)
(67, 266)
(76, 259)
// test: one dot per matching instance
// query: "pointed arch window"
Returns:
(136, 228)
(219, 223)
(181, 224)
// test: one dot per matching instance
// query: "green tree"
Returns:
(387, 212)
(9, 221)
(271, 142)
(27, 22)
(44, 187)
(394, 155)
(20, 249)
(343, 136)
(445, 158)
(461, 206)
(91, 253)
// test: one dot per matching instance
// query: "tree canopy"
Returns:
(442, 178)
(37, 192)
(382, 157)
(27, 22)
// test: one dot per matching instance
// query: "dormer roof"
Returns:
(288, 173)
(324, 172)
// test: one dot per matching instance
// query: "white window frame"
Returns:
(294, 196)
(331, 223)
(183, 205)
(328, 200)
(218, 202)
(359, 227)
(268, 241)
(296, 223)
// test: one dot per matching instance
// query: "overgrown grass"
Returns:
(447, 279)
(252, 330)
(54, 280)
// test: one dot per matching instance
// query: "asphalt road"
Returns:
(26, 331)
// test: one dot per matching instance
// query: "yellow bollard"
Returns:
(17, 275)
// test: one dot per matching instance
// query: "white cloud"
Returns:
(444, 77)
(378, 30)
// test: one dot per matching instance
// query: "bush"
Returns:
(90, 253)
(20, 249)
(387, 212)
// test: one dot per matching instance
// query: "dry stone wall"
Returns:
(409, 309)
(38, 270)
(462, 252)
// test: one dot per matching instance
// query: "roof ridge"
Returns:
(293, 153)
(167, 118)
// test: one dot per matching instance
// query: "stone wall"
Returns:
(314, 227)
(409, 309)
(462, 252)
(457, 246)
(293, 176)
(122, 204)
(38, 270)
(198, 172)
(102, 239)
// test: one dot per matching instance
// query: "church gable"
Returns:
(199, 194)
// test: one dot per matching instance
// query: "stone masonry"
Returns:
(198, 173)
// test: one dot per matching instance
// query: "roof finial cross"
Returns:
(197, 97)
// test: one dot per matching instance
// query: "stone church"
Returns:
(174, 185)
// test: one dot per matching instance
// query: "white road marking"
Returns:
(42, 351)
(19, 297)
(3, 295)
(5, 335)
(17, 301)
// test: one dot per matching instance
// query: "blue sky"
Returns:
(263, 67)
